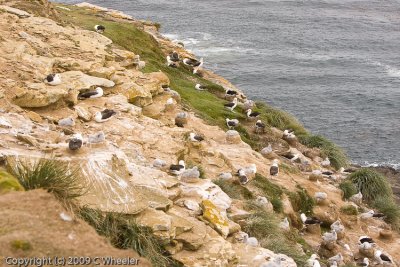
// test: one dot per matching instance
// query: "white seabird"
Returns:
(337, 226)
(193, 62)
(232, 123)
(382, 258)
(75, 142)
(53, 79)
(98, 92)
(242, 177)
(232, 105)
(309, 220)
(367, 214)
(105, 115)
(99, 28)
(329, 236)
(320, 196)
(171, 63)
(260, 127)
(177, 169)
(230, 92)
(338, 258)
(313, 262)
(356, 198)
(274, 169)
(284, 225)
(96, 138)
(365, 239)
(252, 115)
(364, 263)
(326, 162)
(174, 56)
(195, 137)
(200, 87)
(66, 122)
(252, 169)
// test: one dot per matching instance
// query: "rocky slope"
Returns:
(199, 224)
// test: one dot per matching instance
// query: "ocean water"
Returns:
(334, 64)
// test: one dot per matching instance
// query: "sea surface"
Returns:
(334, 64)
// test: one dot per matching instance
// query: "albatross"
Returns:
(232, 105)
(274, 169)
(193, 62)
(177, 169)
(99, 28)
(98, 92)
(105, 115)
(75, 142)
(232, 123)
(53, 79)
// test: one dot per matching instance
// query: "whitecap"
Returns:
(390, 70)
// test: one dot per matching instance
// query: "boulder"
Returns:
(155, 219)
(215, 218)
(233, 137)
(20, 13)
(190, 175)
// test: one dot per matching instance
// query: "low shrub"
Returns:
(371, 184)
(335, 154)
(349, 210)
(234, 190)
(58, 178)
(124, 233)
(391, 210)
(301, 201)
(348, 188)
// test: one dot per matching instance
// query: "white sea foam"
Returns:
(390, 70)
(391, 164)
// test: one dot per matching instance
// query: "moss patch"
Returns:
(9, 183)
(21, 245)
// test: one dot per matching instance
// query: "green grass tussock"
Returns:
(349, 210)
(234, 190)
(335, 154)
(391, 210)
(265, 227)
(124, 233)
(270, 190)
(371, 184)
(59, 178)
(301, 201)
(348, 188)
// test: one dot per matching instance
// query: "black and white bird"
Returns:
(171, 63)
(166, 87)
(195, 137)
(232, 123)
(287, 133)
(232, 105)
(364, 263)
(274, 169)
(75, 142)
(243, 179)
(365, 239)
(193, 62)
(53, 79)
(260, 127)
(367, 215)
(96, 93)
(230, 92)
(200, 87)
(177, 169)
(356, 198)
(252, 115)
(378, 215)
(284, 225)
(382, 258)
(99, 28)
(174, 56)
(309, 220)
(105, 115)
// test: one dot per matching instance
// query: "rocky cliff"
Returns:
(200, 217)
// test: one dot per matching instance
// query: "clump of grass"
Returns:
(288, 168)
(335, 154)
(58, 178)
(21, 245)
(301, 201)
(265, 227)
(348, 188)
(349, 210)
(270, 190)
(280, 119)
(124, 233)
(391, 210)
(234, 190)
(371, 184)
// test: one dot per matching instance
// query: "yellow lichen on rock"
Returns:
(9, 183)
(215, 218)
